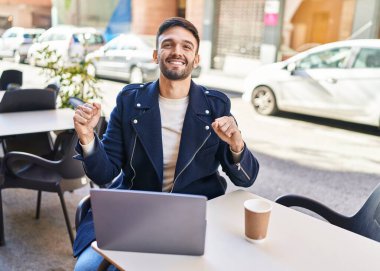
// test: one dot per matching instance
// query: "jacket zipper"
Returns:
(242, 169)
(192, 158)
(130, 163)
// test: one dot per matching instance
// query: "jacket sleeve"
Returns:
(243, 173)
(105, 163)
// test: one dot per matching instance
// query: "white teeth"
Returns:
(176, 62)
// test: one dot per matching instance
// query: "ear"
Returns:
(197, 59)
(155, 56)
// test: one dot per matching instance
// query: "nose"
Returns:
(177, 50)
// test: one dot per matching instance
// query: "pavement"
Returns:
(222, 80)
(343, 190)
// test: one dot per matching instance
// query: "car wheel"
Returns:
(91, 70)
(17, 57)
(264, 101)
(136, 75)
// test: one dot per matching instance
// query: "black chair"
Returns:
(365, 222)
(83, 206)
(28, 100)
(10, 79)
(53, 86)
(58, 174)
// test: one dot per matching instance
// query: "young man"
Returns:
(170, 135)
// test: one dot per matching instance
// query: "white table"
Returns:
(295, 242)
(28, 122)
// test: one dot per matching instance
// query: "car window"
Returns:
(128, 45)
(111, 46)
(368, 58)
(333, 58)
(58, 36)
(45, 37)
(95, 39)
(31, 35)
(88, 38)
(10, 34)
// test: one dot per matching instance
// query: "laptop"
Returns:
(151, 222)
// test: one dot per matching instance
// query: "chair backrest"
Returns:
(53, 86)
(83, 206)
(37, 143)
(64, 150)
(28, 100)
(366, 221)
(10, 77)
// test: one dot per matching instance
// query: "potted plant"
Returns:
(73, 79)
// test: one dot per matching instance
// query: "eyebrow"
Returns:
(171, 40)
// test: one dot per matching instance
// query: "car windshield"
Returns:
(9, 34)
(130, 42)
(368, 58)
(31, 35)
(88, 38)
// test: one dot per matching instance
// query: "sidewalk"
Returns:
(221, 80)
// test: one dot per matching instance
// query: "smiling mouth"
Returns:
(176, 62)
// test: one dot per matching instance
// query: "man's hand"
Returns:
(226, 128)
(85, 120)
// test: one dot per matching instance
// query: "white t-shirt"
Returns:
(172, 116)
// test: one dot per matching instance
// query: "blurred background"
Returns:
(303, 77)
(235, 34)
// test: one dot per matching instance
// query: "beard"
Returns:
(176, 74)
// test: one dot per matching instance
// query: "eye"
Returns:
(166, 45)
(187, 47)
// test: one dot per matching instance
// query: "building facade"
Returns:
(25, 13)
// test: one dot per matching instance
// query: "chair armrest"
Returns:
(2, 170)
(11, 157)
(83, 206)
(314, 206)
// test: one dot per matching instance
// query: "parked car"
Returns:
(15, 42)
(339, 80)
(70, 42)
(128, 58)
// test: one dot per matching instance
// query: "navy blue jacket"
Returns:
(133, 144)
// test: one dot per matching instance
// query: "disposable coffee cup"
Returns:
(257, 214)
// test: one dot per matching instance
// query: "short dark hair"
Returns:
(181, 22)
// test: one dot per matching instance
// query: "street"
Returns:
(334, 162)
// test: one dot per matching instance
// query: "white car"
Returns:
(127, 57)
(339, 80)
(15, 42)
(70, 42)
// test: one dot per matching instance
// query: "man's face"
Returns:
(176, 53)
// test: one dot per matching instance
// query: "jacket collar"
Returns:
(148, 98)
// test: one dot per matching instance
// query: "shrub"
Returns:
(72, 78)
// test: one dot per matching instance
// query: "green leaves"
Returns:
(73, 78)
